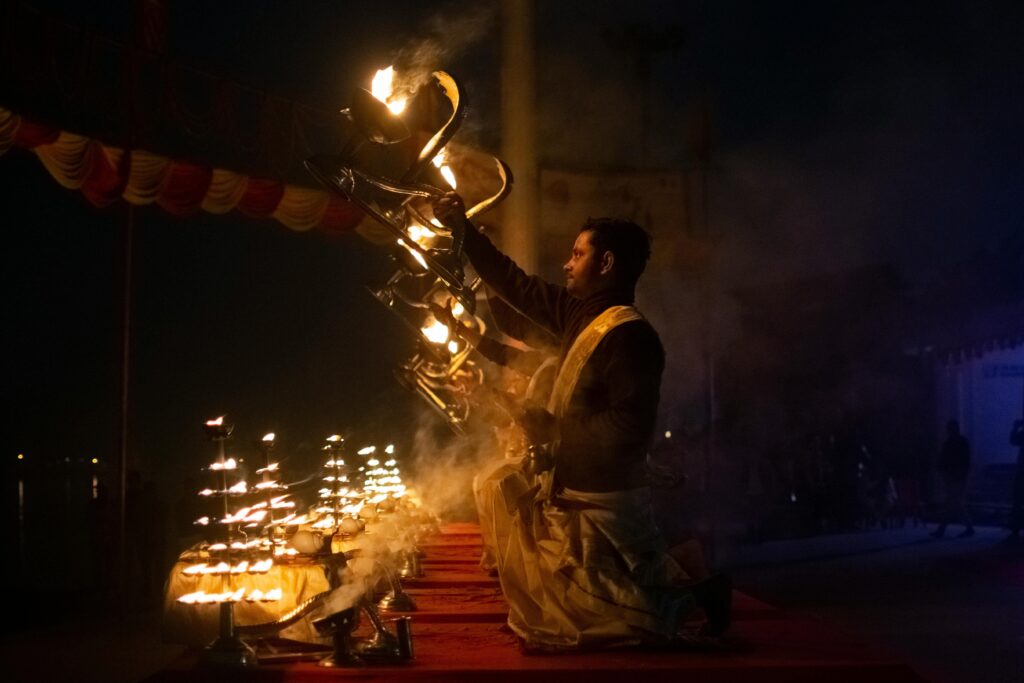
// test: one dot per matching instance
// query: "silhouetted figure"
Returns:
(1017, 513)
(146, 538)
(851, 459)
(152, 542)
(103, 531)
(954, 466)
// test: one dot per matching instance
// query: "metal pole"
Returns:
(520, 225)
(126, 337)
(709, 378)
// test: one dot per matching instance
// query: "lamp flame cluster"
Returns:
(354, 492)
(393, 182)
(247, 537)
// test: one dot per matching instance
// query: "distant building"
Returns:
(977, 362)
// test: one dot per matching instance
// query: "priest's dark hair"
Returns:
(630, 243)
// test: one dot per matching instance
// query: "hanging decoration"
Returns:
(105, 174)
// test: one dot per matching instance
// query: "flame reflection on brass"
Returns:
(415, 254)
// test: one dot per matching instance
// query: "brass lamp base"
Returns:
(397, 602)
(228, 652)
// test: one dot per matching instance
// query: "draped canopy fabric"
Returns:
(104, 174)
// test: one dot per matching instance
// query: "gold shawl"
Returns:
(580, 352)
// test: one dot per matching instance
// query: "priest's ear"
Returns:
(607, 262)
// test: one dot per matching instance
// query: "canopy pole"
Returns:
(128, 230)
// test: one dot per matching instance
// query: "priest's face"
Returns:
(583, 271)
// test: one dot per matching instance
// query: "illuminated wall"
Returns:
(985, 394)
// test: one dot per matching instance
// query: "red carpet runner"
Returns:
(459, 637)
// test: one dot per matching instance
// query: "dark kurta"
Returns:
(604, 435)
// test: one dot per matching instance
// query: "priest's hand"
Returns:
(449, 209)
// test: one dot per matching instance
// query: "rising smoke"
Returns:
(445, 465)
(445, 36)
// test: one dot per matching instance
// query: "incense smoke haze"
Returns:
(445, 466)
(444, 38)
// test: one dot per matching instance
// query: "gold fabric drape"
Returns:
(197, 625)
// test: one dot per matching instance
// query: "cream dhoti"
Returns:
(583, 569)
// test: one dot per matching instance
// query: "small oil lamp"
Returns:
(228, 649)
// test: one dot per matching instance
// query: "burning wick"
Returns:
(269, 437)
(215, 423)
(367, 450)
(446, 172)
(382, 87)
(436, 331)
(421, 235)
(261, 567)
(204, 598)
(449, 176)
(228, 464)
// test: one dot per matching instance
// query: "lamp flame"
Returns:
(441, 161)
(436, 332)
(382, 88)
(449, 176)
(420, 234)
(261, 567)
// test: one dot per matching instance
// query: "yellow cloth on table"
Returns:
(195, 624)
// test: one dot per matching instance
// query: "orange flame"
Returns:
(382, 88)
(436, 331)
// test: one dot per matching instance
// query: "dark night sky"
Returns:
(847, 133)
